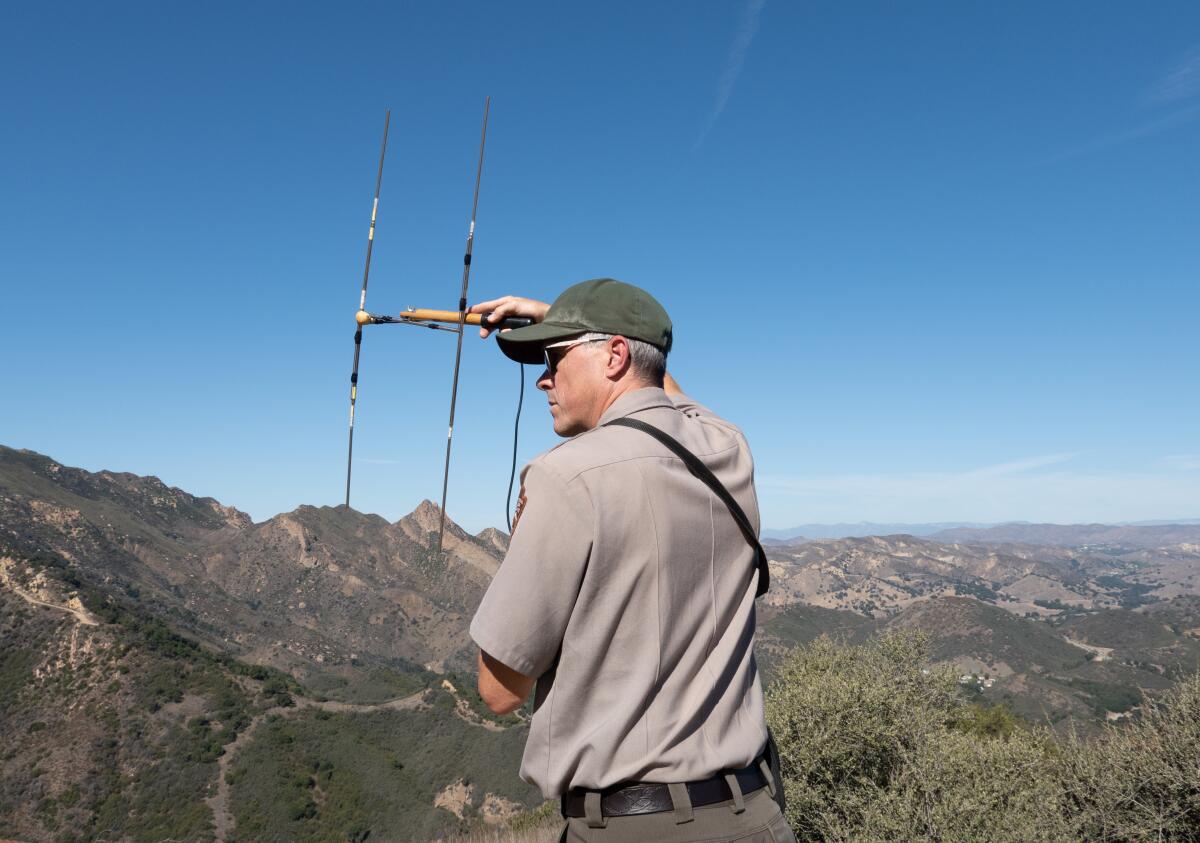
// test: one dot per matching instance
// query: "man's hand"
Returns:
(509, 306)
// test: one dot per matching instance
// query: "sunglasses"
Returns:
(555, 352)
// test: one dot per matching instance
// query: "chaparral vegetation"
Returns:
(878, 746)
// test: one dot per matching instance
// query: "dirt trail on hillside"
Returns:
(73, 607)
(219, 802)
(1099, 653)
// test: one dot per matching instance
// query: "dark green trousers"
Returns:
(759, 821)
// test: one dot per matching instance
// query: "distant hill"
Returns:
(1011, 531)
(862, 528)
(881, 575)
(1077, 535)
(1182, 614)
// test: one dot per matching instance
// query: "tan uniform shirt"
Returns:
(628, 590)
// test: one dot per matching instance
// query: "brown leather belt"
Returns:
(650, 798)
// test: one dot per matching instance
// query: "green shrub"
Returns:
(960, 788)
(1142, 781)
(875, 746)
(989, 721)
(276, 691)
(847, 719)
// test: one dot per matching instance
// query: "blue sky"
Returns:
(940, 261)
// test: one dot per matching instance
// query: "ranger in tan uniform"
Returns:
(627, 594)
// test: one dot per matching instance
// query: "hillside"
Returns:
(114, 726)
(161, 654)
(310, 591)
(880, 575)
(782, 629)
(1070, 670)
(1181, 614)
(169, 668)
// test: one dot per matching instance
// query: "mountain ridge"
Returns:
(256, 589)
(976, 531)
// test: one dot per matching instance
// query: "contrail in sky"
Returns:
(1174, 89)
(747, 29)
(1183, 82)
(1162, 124)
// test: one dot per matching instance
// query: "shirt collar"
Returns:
(632, 402)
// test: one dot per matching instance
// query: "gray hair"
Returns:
(646, 360)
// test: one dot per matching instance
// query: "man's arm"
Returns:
(522, 620)
(503, 689)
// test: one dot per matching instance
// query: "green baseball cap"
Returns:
(602, 305)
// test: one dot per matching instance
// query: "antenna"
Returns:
(462, 317)
(362, 302)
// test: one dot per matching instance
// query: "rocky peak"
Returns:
(232, 516)
(495, 538)
(427, 516)
(426, 519)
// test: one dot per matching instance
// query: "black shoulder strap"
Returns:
(700, 470)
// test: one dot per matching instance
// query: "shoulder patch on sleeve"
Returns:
(521, 501)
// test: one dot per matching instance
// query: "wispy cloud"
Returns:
(1018, 466)
(747, 29)
(1181, 83)
(1175, 89)
(1181, 462)
(921, 483)
(1032, 489)
(1162, 124)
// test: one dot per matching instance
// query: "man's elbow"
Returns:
(501, 704)
(501, 688)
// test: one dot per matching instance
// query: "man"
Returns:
(627, 593)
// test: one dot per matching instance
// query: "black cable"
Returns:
(512, 475)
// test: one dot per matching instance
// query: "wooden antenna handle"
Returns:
(450, 317)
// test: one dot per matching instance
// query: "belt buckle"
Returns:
(637, 798)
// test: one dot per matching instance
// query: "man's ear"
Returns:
(618, 358)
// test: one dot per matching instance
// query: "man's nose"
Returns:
(545, 380)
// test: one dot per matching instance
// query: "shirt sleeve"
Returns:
(523, 616)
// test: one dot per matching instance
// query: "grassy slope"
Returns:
(331, 777)
(781, 630)
(119, 738)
